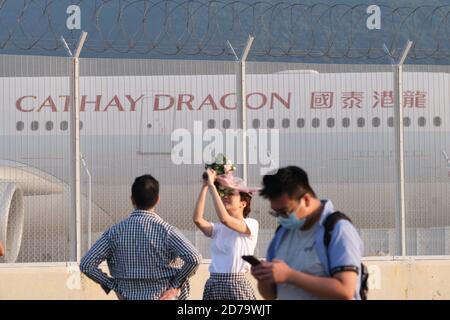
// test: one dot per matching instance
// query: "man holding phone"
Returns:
(298, 265)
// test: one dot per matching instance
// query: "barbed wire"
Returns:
(202, 28)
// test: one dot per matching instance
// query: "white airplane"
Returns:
(338, 126)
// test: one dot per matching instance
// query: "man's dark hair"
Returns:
(145, 191)
(291, 180)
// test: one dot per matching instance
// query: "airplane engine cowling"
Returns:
(11, 220)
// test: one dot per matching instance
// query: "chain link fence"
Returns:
(335, 121)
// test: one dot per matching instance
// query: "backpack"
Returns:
(329, 224)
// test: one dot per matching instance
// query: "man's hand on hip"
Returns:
(170, 294)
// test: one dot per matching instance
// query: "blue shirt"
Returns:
(344, 251)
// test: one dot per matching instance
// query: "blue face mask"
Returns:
(292, 222)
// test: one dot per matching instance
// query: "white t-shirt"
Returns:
(228, 246)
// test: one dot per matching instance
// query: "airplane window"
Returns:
(315, 122)
(211, 123)
(285, 123)
(361, 122)
(149, 125)
(390, 121)
(34, 125)
(20, 126)
(49, 125)
(300, 122)
(422, 121)
(330, 123)
(271, 123)
(64, 125)
(406, 121)
(226, 124)
(256, 123)
(376, 122)
(346, 122)
(437, 121)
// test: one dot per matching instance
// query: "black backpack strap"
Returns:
(278, 228)
(329, 224)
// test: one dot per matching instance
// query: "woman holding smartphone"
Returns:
(234, 236)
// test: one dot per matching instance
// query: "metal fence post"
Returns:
(89, 202)
(242, 105)
(399, 148)
(75, 181)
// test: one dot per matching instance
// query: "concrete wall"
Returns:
(390, 279)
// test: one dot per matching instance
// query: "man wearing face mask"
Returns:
(298, 265)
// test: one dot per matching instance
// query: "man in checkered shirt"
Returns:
(147, 257)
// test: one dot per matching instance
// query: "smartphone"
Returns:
(252, 260)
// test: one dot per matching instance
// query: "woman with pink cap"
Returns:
(234, 236)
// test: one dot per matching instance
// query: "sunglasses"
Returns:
(277, 214)
(227, 192)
